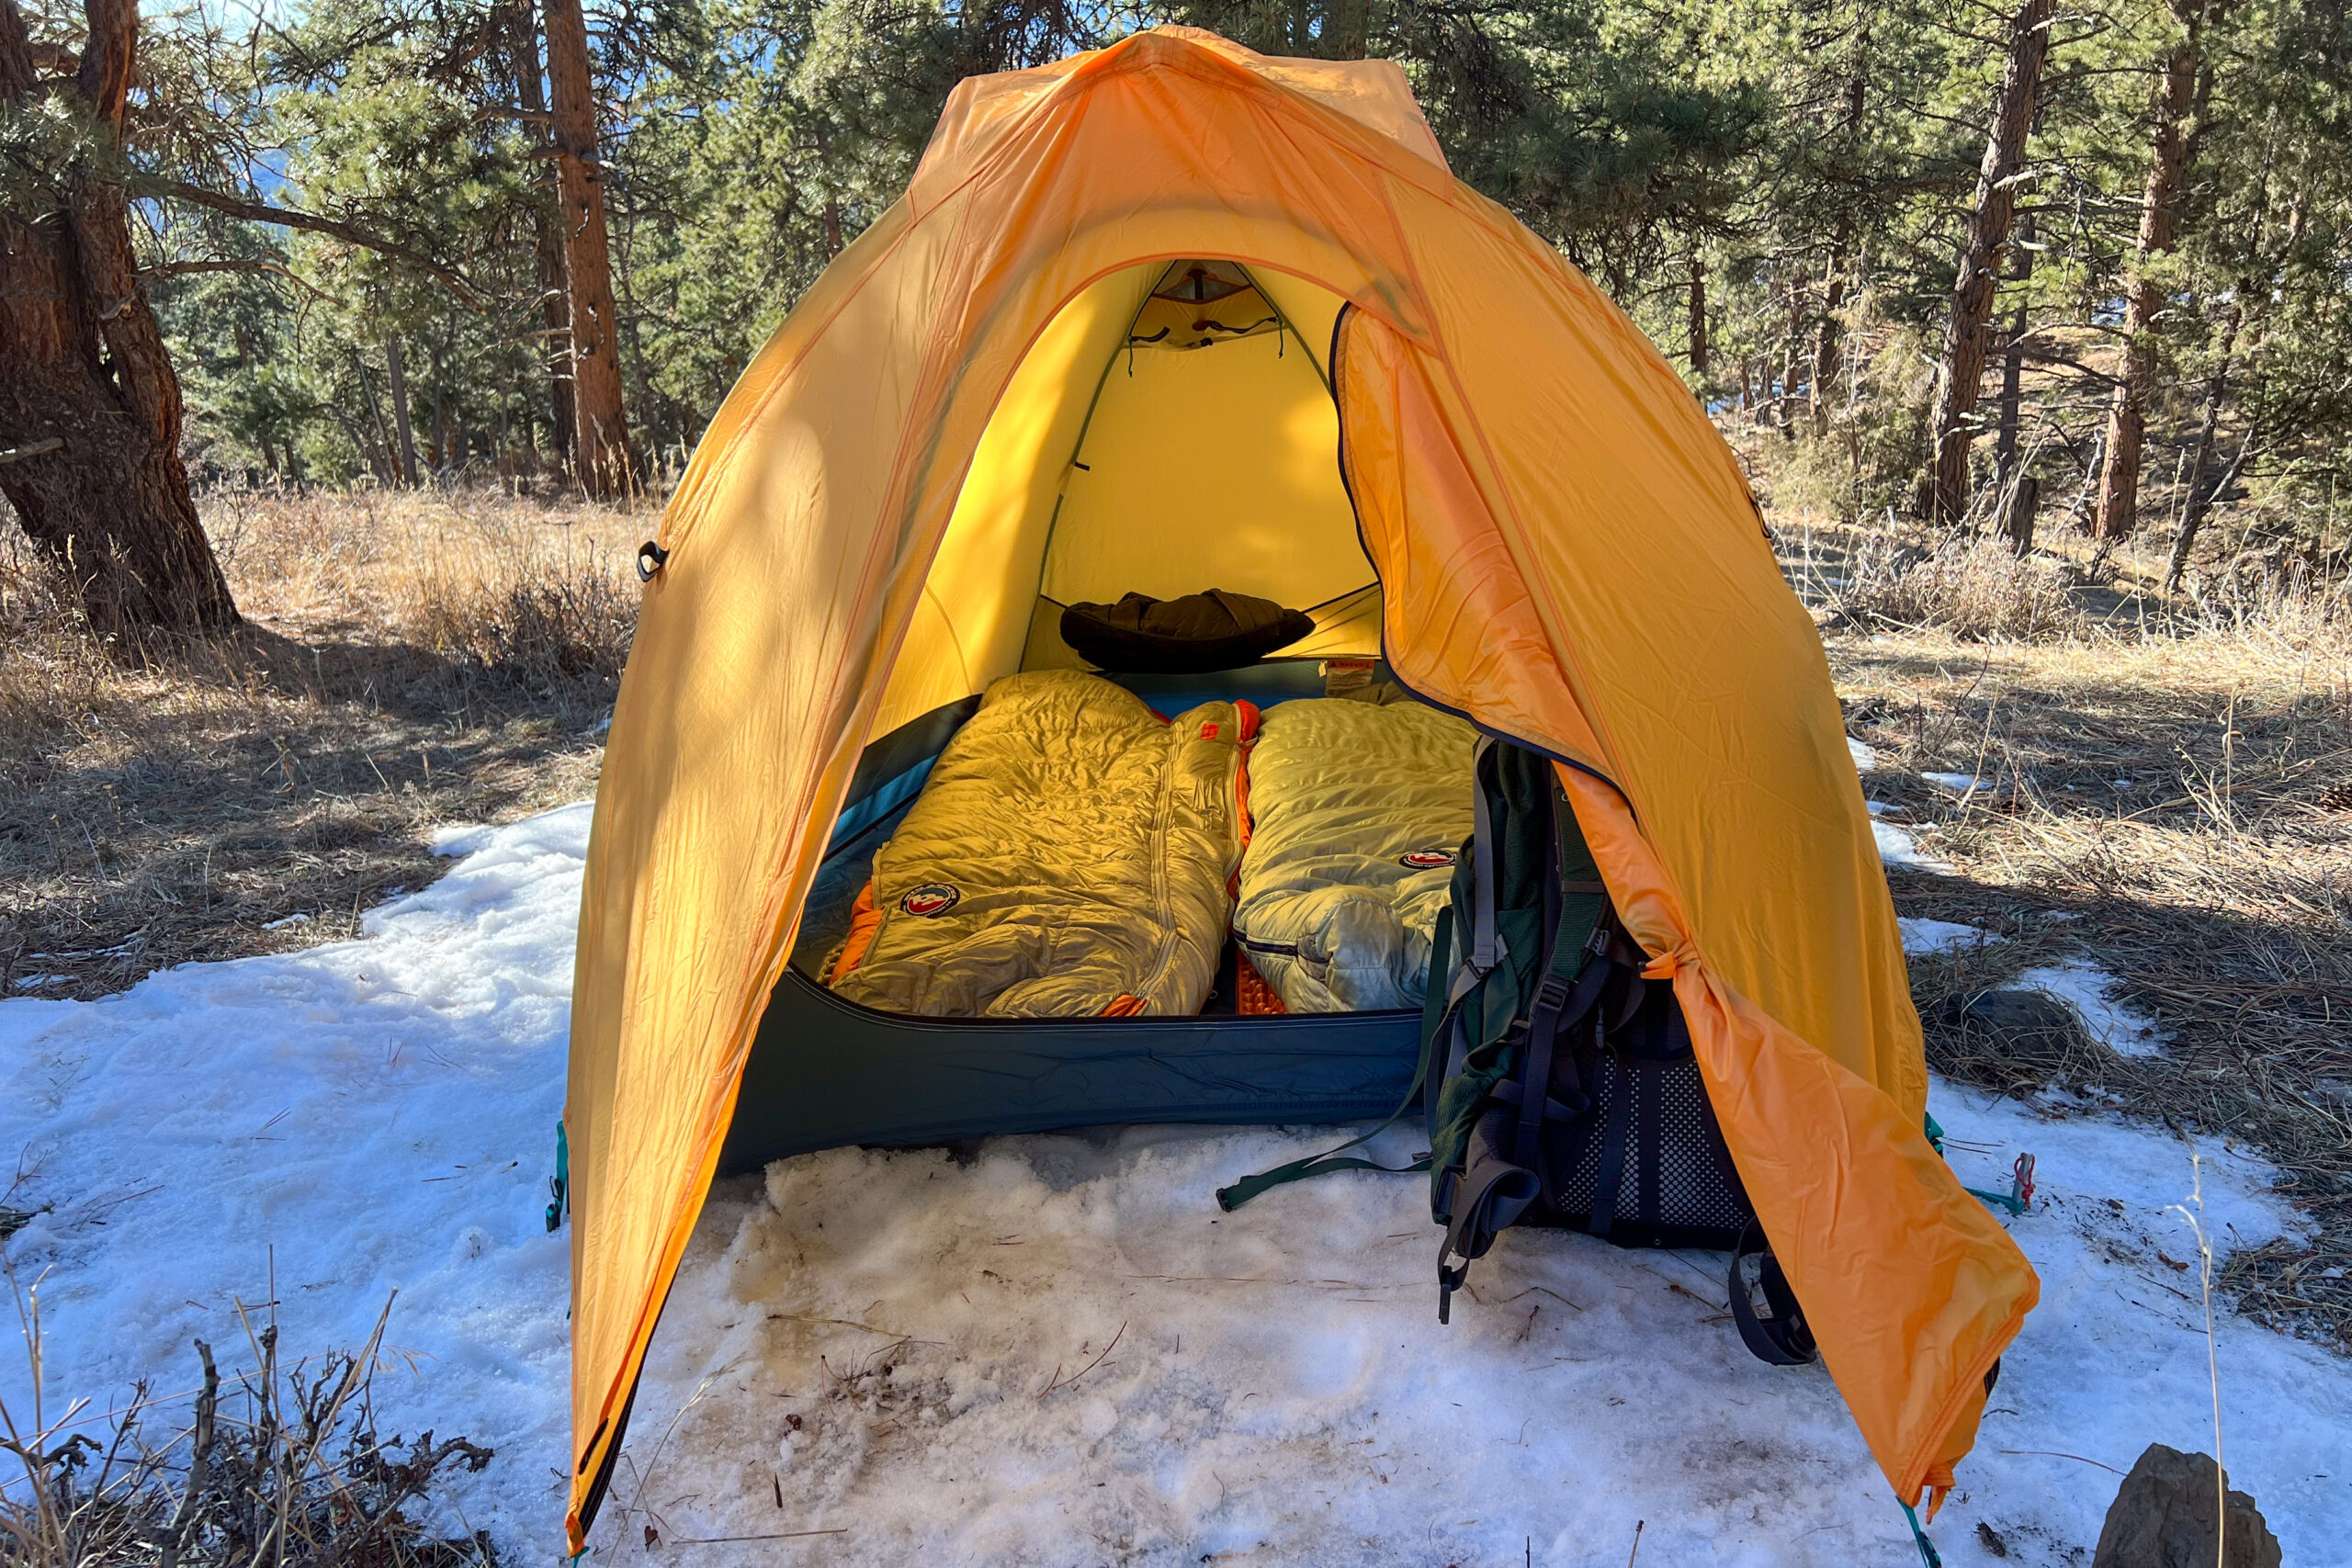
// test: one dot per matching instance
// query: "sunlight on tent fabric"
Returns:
(975, 613)
(1106, 471)
(1569, 555)
(1212, 467)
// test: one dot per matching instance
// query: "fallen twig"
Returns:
(1057, 1380)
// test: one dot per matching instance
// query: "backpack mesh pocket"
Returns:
(1675, 1184)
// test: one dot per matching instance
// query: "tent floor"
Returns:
(824, 1073)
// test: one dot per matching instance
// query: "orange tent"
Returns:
(1546, 535)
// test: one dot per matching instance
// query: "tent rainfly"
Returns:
(1449, 443)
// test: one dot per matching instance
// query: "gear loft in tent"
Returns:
(1380, 402)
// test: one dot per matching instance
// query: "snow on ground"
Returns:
(1921, 934)
(1060, 1352)
(2090, 990)
(1961, 784)
(1897, 847)
(363, 1117)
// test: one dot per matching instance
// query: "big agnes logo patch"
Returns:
(1425, 860)
(931, 898)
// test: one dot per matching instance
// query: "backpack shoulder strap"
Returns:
(1575, 971)
(1486, 947)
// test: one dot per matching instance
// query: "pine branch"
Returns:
(262, 212)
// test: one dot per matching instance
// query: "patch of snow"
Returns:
(1961, 784)
(1897, 847)
(1865, 760)
(281, 925)
(2114, 1357)
(2089, 990)
(364, 1116)
(1061, 1352)
(458, 839)
(1923, 935)
(22, 1020)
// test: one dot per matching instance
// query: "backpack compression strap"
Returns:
(1437, 1016)
(1494, 1191)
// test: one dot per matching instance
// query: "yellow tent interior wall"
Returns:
(1104, 470)
(1456, 448)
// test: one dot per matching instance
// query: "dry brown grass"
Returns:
(541, 594)
(410, 660)
(1977, 590)
(2175, 807)
(280, 1463)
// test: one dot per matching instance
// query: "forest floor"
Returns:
(406, 662)
(2148, 813)
(2164, 814)
(2164, 829)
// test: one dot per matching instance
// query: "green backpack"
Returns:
(1556, 1083)
(1560, 1084)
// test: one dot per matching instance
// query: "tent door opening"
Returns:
(1171, 431)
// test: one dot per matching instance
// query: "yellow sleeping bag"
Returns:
(1071, 855)
(1360, 812)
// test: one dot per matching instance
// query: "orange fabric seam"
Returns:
(1914, 1474)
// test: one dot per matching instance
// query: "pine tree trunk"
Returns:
(378, 447)
(1793, 357)
(1960, 377)
(1698, 319)
(2025, 501)
(443, 458)
(403, 435)
(2127, 417)
(2018, 524)
(1829, 349)
(1828, 341)
(2200, 499)
(546, 233)
(83, 365)
(600, 432)
(1350, 20)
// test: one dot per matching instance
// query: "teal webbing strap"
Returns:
(1437, 1015)
(1929, 1556)
(559, 1185)
(1249, 1187)
(2014, 1202)
(2007, 1202)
